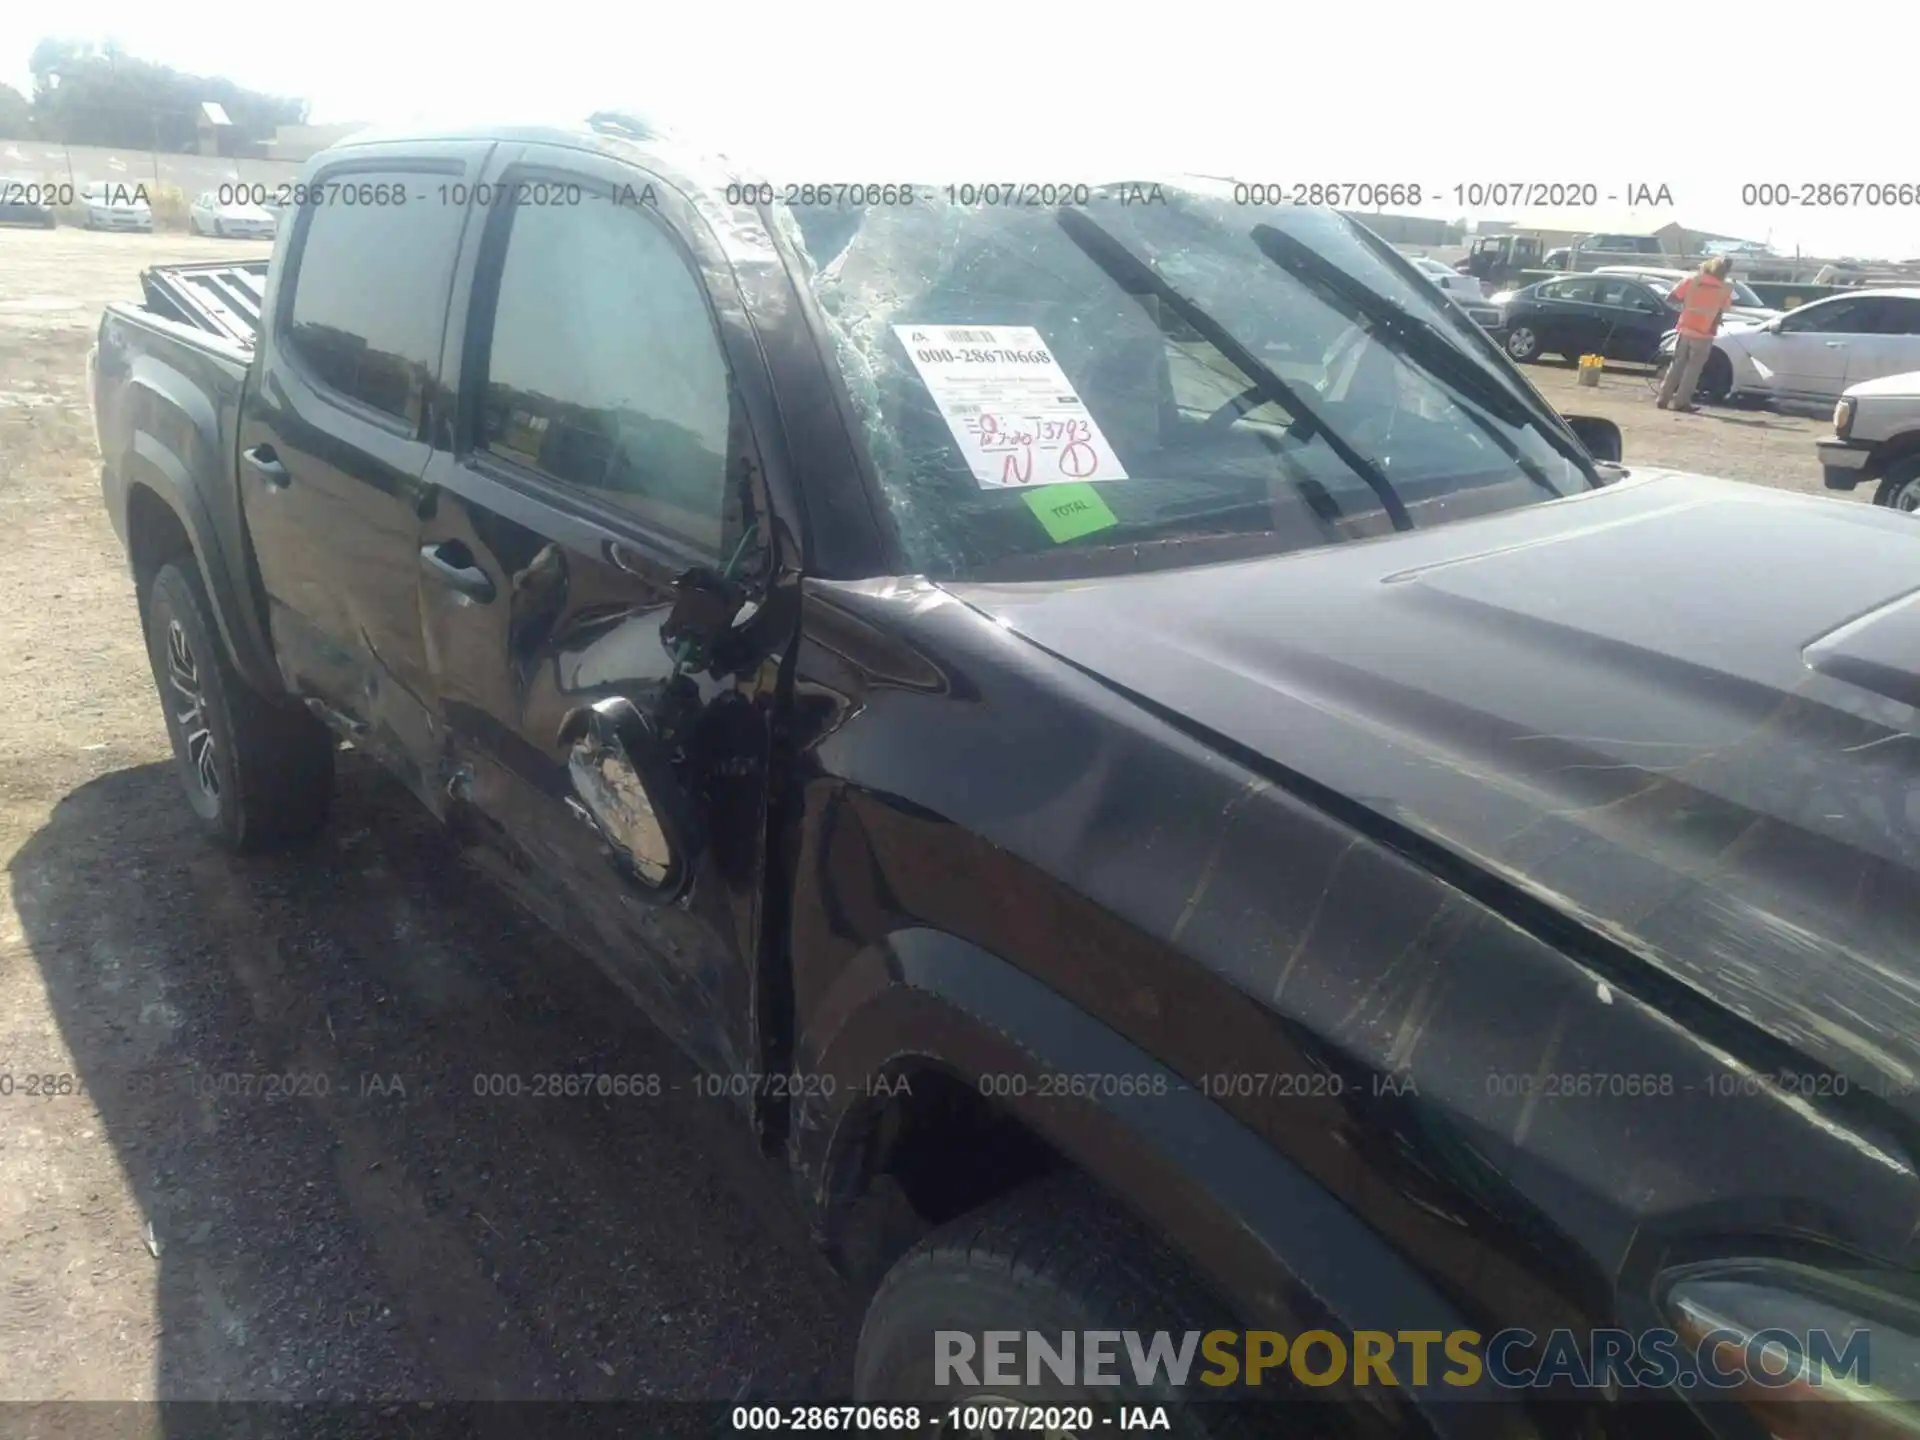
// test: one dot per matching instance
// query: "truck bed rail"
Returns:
(223, 297)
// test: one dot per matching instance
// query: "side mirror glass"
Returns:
(624, 791)
(1601, 437)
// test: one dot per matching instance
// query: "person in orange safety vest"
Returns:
(1703, 298)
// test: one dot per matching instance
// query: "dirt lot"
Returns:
(398, 1236)
(1761, 446)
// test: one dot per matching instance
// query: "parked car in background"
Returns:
(1453, 281)
(1612, 315)
(1747, 309)
(1607, 244)
(1816, 351)
(1464, 290)
(1556, 259)
(234, 218)
(1876, 436)
(26, 201)
(115, 205)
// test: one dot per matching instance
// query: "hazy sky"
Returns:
(1439, 94)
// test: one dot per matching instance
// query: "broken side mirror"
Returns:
(706, 628)
(625, 791)
(1601, 437)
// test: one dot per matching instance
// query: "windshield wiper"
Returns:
(1421, 342)
(1134, 274)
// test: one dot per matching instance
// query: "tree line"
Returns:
(85, 94)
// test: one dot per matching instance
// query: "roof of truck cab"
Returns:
(654, 144)
(698, 162)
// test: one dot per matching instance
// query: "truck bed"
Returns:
(223, 297)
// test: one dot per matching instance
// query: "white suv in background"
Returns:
(1817, 351)
(1876, 436)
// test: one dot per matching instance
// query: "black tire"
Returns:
(1051, 1259)
(257, 775)
(1716, 380)
(1900, 489)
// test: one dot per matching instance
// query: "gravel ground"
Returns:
(1763, 447)
(397, 1236)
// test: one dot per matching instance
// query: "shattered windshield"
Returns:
(1161, 377)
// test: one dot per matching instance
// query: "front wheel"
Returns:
(256, 775)
(1523, 344)
(1046, 1261)
(1716, 380)
(1900, 490)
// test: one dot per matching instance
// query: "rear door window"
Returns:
(370, 289)
(1899, 315)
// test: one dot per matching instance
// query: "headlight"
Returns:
(1811, 1353)
(1843, 418)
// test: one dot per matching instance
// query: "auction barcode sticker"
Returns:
(1011, 409)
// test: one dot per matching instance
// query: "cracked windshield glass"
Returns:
(1154, 374)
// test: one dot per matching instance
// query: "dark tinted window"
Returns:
(370, 294)
(604, 369)
(1580, 290)
(1899, 315)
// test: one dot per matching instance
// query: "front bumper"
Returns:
(1843, 464)
(107, 220)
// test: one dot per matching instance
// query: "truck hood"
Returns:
(1681, 711)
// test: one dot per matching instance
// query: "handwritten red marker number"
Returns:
(1079, 460)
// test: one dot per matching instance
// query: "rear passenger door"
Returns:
(611, 437)
(1568, 323)
(1894, 346)
(332, 438)
(1809, 350)
(1636, 318)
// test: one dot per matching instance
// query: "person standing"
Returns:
(1703, 298)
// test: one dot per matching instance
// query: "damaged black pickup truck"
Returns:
(1322, 851)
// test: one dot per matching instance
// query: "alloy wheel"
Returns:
(1522, 343)
(189, 707)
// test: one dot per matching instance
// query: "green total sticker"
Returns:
(1067, 512)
